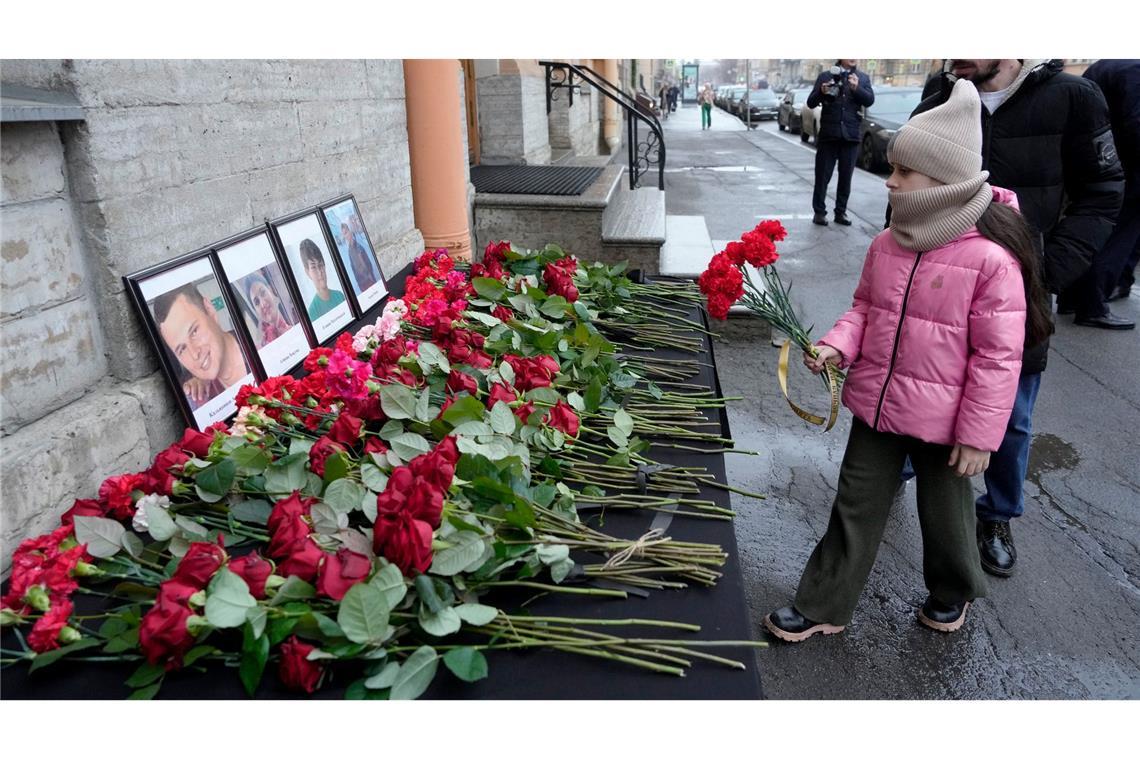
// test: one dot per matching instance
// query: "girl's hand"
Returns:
(824, 355)
(969, 461)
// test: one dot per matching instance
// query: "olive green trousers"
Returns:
(868, 479)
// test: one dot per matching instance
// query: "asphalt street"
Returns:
(1065, 625)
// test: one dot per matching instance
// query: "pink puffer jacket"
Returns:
(934, 339)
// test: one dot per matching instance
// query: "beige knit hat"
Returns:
(945, 142)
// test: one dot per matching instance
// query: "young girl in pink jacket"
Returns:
(932, 348)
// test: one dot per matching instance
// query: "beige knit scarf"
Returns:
(922, 220)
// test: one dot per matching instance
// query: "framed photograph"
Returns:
(191, 321)
(266, 300)
(346, 228)
(315, 272)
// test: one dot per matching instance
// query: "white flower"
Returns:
(395, 307)
(150, 501)
(247, 420)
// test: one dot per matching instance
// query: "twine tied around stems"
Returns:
(638, 547)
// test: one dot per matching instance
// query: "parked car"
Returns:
(720, 99)
(732, 98)
(891, 109)
(760, 105)
(809, 122)
(788, 117)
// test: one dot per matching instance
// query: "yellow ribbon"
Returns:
(832, 386)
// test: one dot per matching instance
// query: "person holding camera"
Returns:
(843, 90)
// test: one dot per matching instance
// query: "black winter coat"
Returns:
(1119, 81)
(1051, 143)
(841, 117)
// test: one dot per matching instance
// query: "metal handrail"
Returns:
(642, 155)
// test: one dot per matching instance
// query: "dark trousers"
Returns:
(1112, 265)
(827, 153)
(868, 478)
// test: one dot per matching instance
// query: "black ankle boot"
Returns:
(942, 617)
(995, 547)
(787, 624)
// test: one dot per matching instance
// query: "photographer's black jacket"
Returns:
(840, 117)
(1050, 142)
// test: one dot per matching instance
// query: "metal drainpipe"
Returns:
(435, 150)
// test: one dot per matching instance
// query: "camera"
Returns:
(838, 80)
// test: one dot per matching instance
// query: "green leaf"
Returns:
(133, 544)
(325, 519)
(507, 372)
(415, 674)
(336, 467)
(617, 436)
(554, 306)
(465, 408)
(488, 319)
(593, 397)
(254, 655)
(430, 354)
(287, 474)
(147, 693)
(398, 402)
(160, 525)
(503, 420)
(390, 582)
(191, 529)
(104, 537)
(328, 626)
(434, 592)
(410, 445)
(374, 478)
(468, 548)
(215, 481)
(363, 614)
(228, 600)
(385, 678)
(196, 654)
(559, 570)
(252, 511)
(576, 401)
(293, 589)
(622, 380)
(47, 658)
(466, 663)
(623, 422)
(440, 624)
(278, 630)
(344, 495)
(250, 459)
(551, 553)
(489, 288)
(474, 427)
(655, 391)
(476, 614)
(423, 405)
(257, 617)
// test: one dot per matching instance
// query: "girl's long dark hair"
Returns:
(1006, 227)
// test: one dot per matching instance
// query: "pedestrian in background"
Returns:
(1046, 136)
(1113, 270)
(843, 91)
(933, 344)
(706, 101)
(674, 91)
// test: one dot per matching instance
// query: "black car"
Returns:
(892, 109)
(732, 97)
(760, 105)
(788, 117)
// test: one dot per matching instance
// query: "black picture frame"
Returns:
(278, 333)
(326, 326)
(365, 298)
(194, 270)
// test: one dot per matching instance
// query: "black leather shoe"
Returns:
(942, 617)
(842, 219)
(787, 624)
(1119, 293)
(819, 219)
(1108, 322)
(995, 546)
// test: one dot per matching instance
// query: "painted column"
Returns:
(435, 148)
(611, 121)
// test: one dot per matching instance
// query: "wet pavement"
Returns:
(1065, 625)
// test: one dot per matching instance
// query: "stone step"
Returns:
(633, 227)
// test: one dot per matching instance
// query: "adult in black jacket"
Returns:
(1119, 80)
(1046, 136)
(838, 136)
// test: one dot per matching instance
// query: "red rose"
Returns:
(302, 559)
(254, 570)
(288, 524)
(524, 411)
(436, 469)
(295, 670)
(115, 494)
(44, 635)
(341, 571)
(157, 479)
(501, 392)
(82, 508)
(197, 443)
(199, 564)
(403, 540)
(562, 417)
(163, 637)
(346, 430)
(426, 503)
(395, 494)
(321, 451)
(460, 381)
(375, 445)
(503, 313)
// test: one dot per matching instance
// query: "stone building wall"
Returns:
(171, 156)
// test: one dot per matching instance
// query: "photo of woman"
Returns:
(274, 316)
(356, 252)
